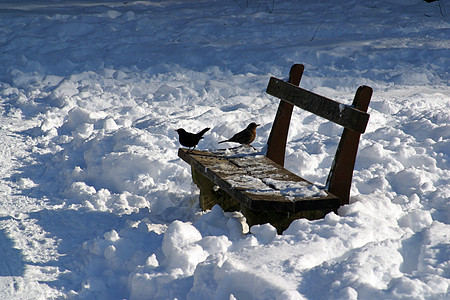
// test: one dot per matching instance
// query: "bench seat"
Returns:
(257, 182)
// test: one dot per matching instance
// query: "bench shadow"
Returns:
(71, 228)
(65, 227)
(11, 258)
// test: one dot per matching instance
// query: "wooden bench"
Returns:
(259, 185)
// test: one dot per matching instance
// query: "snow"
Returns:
(96, 204)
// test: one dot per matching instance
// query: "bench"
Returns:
(258, 184)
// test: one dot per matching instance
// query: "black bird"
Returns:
(188, 139)
(244, 137)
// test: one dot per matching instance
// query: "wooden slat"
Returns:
(271, 169)
(230, 174)
(341, 173)
(280, 204)
(195, 157)
(344, 115)
(276, 144)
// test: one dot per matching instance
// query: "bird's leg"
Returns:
(237, 147)
(248, 145)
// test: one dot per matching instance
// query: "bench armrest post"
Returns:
(276, 144)
(340, 177)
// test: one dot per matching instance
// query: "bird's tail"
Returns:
(201, 133)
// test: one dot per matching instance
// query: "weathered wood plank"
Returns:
(259, 183)
(344, 115)
(280, 204)
(341, 173)
(212, 175)
(276, 144)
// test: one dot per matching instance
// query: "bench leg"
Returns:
(211, 195)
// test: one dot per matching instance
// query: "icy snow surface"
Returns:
(95, 203)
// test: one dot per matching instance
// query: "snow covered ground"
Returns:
(95, 203)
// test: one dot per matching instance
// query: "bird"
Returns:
(189, 139)
(244, 137)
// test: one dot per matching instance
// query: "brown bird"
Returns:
(244, 137)
(188, 139)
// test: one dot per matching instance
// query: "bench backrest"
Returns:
(353, 118)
